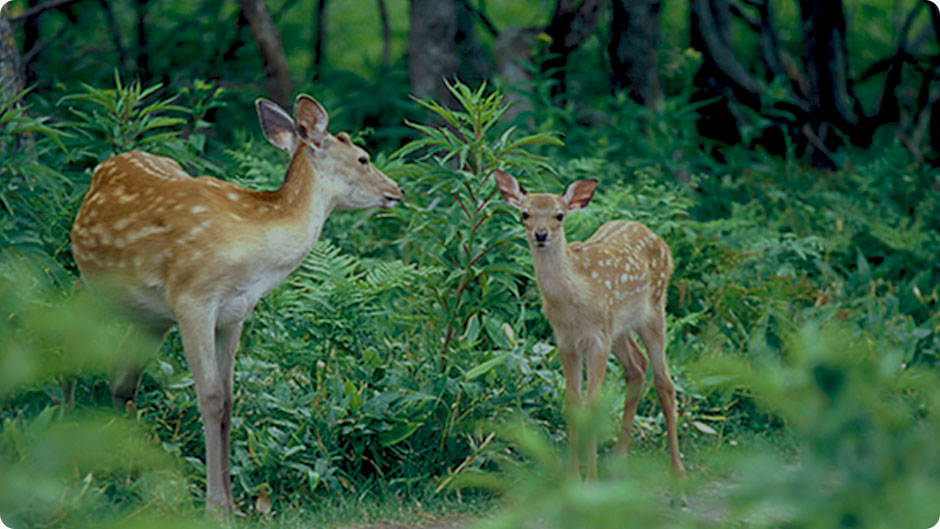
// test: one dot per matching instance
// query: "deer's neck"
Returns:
(304, 200)
(554, 271)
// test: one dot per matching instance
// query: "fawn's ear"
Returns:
(509, 187)
(579, 194)
(277, 125)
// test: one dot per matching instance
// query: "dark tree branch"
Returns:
(887, 107)
(753, 22)
(484, 18)
(230, 51)
(745, 87)
(33, 11)
(386, 35)
(819, 144)
(763, 26)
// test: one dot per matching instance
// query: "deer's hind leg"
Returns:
(653, 335)
(139, 343)
(634, 363)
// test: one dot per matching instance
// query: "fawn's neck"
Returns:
(554, 270)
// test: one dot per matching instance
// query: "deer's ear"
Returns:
(509, 187)
(312, 119)
(579, 194)
(277, 125)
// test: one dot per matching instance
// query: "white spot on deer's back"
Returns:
(146, 231)
(160, 256)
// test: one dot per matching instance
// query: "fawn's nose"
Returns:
(541, 235)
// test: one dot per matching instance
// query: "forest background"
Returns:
(786, 151)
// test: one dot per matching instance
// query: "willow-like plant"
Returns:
(451, 205)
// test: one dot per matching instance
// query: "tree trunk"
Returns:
(278, 83)
(473, 64)
(386, 36)
(634, 39)
(12, 79)
(831, 106)
(143, 59)
(319, 38)
(571, 23)
(933, 123)
(442, 45)
(432, 48)
(513, 50)
(31, 43)
(711, 35)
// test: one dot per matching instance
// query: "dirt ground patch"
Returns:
(455, 523)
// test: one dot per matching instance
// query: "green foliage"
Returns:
(866, 425)
(865, 428)
(61, 467)
(113, 121)
(30, 191)
(456, 212)
(387, 362)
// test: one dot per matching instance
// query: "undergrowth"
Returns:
(388, 361)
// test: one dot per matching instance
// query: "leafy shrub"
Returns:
(456, 211)
(865, 429)
(61, 467)
(31, 191)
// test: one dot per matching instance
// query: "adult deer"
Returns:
(200, 252)
(595, 294)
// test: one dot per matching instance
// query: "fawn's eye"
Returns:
(560, 216)
(525, 215)
(363, 160)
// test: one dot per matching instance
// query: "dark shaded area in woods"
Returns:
(810, 97)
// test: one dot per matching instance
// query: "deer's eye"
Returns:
(560, 216)
(525, 215)
(363, 160)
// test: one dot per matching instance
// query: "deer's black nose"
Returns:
(541, 235)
